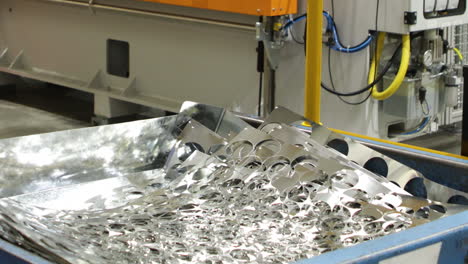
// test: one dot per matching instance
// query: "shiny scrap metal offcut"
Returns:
(202, 187)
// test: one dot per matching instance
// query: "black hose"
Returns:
(369, 86)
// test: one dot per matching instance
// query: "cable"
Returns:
(404, 64)
(425, 111)
(421, 127)
(294, 21)
(333, 85)
(331, 75)
(291, 30)
(331, 27)
(403, 69)
(377, 16)
(369, 86)
(376, 59)
(459, 54)
(295, 39)
(260, 70)
(260, 94)
(376, 51)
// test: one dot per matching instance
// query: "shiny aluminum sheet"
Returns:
(374, 161)
(224, 193)
(41, 162)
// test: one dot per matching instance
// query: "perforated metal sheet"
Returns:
(226, 193)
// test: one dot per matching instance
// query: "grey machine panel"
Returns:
(175, 53)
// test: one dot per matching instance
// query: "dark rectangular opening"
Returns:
(118, 58)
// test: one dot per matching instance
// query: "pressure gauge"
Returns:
(427, 58)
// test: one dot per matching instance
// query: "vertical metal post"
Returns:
(313, 79)
(267, 103)
(465, 113)
(269, 76)
(261, 71)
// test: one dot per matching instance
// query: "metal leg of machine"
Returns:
(108, 109)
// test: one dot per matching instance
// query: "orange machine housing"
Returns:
(249, 7)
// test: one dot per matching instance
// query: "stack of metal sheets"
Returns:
(203, 187)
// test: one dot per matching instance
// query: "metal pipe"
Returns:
(241, 26)
(313, 65)
(414, 155)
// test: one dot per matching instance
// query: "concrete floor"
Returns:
(27, 111)
(19, 120)
(447, 141)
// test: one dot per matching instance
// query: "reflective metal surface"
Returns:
(371, 160)
(200, 187)
(45, 161)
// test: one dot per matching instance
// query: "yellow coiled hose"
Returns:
(405, 60)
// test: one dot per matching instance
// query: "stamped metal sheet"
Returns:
(41, 162)
(399, 174)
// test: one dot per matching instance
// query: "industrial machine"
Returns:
(211, 185)
(263, 42)
(420, 85)
(160, 54)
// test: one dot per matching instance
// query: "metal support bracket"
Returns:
(411, 18)
(272, 47)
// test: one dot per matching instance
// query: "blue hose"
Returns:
(331, 27)
(423, 125)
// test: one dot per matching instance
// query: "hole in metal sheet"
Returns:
(253, 163)
(234, 184)
(353, 205)
(298, 194)
(184, 152)
(458, 199)
(344, 180)
(333, 224)
(321, 208)
(367, 215)
(341, 211)
(417, 188)
(306, 161)
(339, 145)
(358, 194)
(392, 227)
(351, 241)
(201, 174)
(438, 208)
(239, 254)
(271, 127)
(405, 210)
(239, 149)
(423, 212)
(276, 164)
(268, 147)
(377, 165)
(373, 228)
